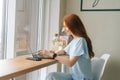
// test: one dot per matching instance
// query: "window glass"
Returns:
(26, 26)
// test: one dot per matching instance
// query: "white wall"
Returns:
(103, 29)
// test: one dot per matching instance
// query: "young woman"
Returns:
(79, 52)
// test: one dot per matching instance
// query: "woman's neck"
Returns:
(74, 36)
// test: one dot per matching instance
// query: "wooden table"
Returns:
(10, 68)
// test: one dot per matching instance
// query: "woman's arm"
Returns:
(64, 59)
(61, 52)
(67, 60)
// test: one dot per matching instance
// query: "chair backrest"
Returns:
(98, 66)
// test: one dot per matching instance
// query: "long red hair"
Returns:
(76, 26)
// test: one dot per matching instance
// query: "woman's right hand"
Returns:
(46, 53)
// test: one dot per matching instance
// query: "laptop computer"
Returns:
(37, 57)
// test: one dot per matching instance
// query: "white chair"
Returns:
(98, 66)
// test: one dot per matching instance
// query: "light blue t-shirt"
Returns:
(81, 70)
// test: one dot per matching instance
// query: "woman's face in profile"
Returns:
(66, 29)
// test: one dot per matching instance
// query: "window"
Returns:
(26, 23)
(28, 32)
(30, 23)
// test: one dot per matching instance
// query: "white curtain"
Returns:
(1, 28)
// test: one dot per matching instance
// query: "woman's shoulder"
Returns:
(80, 39)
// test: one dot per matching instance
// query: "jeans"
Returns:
(61, 76)
(58, 76)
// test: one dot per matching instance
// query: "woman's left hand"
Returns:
(46, 52)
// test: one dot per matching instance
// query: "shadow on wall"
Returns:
(113, 69)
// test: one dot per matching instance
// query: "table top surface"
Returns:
(10, 68)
